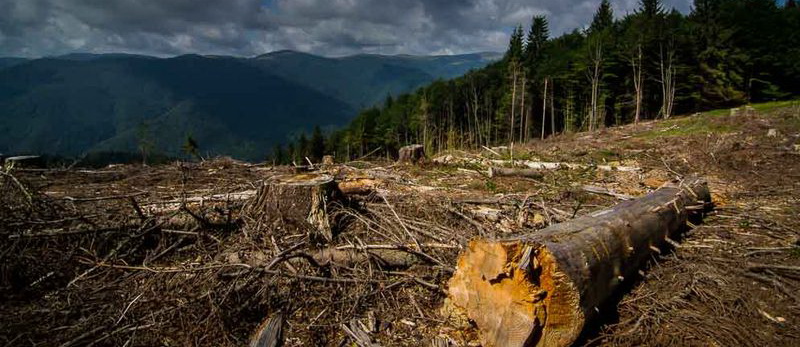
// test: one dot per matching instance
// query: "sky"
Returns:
(35, 28)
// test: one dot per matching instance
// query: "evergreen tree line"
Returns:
(649, 64)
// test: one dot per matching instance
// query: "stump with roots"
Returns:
(296, 201)
(411, 154)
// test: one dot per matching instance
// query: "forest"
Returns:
(650, 64)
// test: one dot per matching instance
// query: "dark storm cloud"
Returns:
(250, 27)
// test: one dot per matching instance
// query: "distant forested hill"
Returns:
(77, 104)
(652, 63)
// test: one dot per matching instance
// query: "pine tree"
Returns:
(516, 44)
(302, 148)
(190, 147)
(603, 18)
(317, 144)
(278, 156)
(651, 8)
(537, 37)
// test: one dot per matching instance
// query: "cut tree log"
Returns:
(411, 154)
(358, 186)
(514, 172)
(540, 289)
(297, 200)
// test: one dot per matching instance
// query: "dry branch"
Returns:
(541, 288)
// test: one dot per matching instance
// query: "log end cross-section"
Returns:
(540, 289)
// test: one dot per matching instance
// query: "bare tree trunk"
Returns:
(595, 99)
(552, 109)
(513, 103)
(667, 81)
(475, 115)
(544, 105)
(522, 111)
(636, 65)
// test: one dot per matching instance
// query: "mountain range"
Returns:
(78, 104)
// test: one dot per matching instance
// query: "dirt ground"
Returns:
(174, 255)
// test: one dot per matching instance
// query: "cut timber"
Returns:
(411, 154)
(299, 200)
(540, 289)
(358, 186)
(513, 172)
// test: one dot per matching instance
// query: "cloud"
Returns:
(250, 27)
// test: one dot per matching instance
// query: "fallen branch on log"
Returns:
(542, 288)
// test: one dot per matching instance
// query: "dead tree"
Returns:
(541, 288)
(635, 61)
(298, 200)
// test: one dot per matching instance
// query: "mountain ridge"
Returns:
(81, 103)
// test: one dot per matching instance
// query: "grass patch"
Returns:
(772, 105)
(696, 125)
(714, 121)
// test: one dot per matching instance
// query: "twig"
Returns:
(416, 242)
(21, 187)
(128, 308)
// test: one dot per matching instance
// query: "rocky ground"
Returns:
(176, 255)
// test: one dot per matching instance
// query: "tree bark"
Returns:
(296, 201)
(541, 288)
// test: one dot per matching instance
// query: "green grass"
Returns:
(696, 125)
(772, 105)
(714, 121)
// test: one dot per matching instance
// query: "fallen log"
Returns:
(514, 172)
(541, 288)
(358, 186)
(297, 200)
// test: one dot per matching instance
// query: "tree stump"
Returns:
(327, 160)
(411, 154)
(540, 289)
(296, 200)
